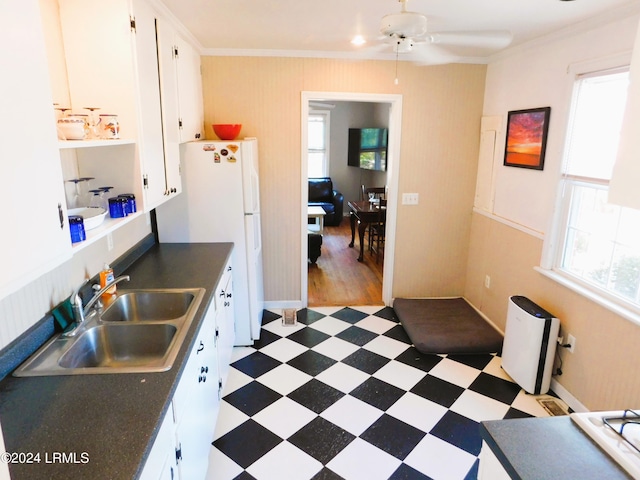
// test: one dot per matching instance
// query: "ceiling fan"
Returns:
(407, 32)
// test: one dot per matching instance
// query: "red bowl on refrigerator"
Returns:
(227, 131)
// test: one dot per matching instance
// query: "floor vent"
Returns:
(554, 406)
(289, 317)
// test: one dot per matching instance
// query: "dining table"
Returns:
(363, 213)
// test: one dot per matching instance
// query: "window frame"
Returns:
(326, 114)
(554, 240)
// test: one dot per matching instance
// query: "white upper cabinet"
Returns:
(117, 54)
(35, 235)
(181, 93)
(190, 101)
(167, 53)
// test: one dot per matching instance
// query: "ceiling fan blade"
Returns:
(492, 39)
(371, 51)
(426, 54)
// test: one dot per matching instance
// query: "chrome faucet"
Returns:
(80, 312)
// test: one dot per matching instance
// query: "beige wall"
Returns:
(601, 373)
(506, 243)
(440, 134)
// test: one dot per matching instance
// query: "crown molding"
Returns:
(352, 56)
(626, 12)
(177, 24)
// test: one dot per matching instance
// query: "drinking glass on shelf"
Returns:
(81, 194)
(97, 198)
(60, 111)
(104, 198)
(94, 123)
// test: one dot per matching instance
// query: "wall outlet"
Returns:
(571, 340)
(487, 281)
(109, 241)
(410, 198)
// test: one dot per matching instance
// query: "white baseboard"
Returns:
(279, 305)
(566, 397)
(558, 389)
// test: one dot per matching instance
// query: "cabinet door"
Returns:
(197, 410)
(35, 235)
(490, 467)
(167, 58)
(162, 458)
(150, 138)
(191, 109)
(112, 64)
(225, 325)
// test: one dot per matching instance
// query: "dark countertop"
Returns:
(548, 449)
(114, 418)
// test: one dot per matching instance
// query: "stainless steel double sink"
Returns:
(137, 331)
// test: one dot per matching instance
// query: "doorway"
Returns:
(393, 161)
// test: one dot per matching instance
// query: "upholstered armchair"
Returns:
(322, 194)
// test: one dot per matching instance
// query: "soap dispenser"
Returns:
(106, 277)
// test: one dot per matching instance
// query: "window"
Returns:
(599, 242)
(318, 147)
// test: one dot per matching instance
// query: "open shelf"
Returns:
(63, 144)
(108, 226)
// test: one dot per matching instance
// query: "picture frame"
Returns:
(526, 140)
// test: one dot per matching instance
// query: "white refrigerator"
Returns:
(220, 202)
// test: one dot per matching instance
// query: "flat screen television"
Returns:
(368, 148)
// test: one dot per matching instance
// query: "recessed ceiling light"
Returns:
(358, 40)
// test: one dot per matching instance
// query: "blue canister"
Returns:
(76, 227)
(131, 202)
(118, 207)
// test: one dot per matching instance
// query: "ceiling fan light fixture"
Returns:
(358, 40)
(403, 45)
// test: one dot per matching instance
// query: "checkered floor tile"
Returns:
(344, 394)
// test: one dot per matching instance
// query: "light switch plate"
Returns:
(410, 199)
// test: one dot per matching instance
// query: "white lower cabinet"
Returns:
(225, 326)
(490, 467)
(181, 449)
(161, 462)
(196, 407)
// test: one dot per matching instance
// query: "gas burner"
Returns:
(617, 424)
(617, 433)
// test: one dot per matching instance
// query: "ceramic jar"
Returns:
(109, 126)
(72, 128)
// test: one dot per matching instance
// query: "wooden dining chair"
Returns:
(377, 231)
(378, 192)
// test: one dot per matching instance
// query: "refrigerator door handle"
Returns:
(257, 237)
(255, 191)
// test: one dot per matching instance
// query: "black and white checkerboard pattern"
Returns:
(343, 394)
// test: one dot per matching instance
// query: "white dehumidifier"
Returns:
(529, 346)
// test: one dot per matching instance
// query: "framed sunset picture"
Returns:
(527, 138)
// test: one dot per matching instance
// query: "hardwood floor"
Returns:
(338, 278)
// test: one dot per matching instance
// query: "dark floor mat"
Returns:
(447, 325)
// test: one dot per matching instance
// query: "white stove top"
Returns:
(618, 448)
